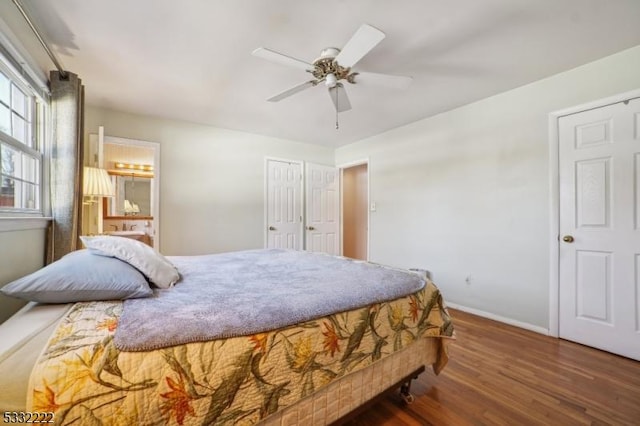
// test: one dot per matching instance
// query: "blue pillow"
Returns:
(79, 277)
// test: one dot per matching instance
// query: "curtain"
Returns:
(67, 108)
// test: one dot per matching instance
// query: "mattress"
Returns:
(238, 380)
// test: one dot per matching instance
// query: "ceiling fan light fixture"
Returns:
(331, 80)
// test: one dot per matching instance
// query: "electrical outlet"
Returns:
(468, 279)
(373, 206)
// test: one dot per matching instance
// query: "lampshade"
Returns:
(97, 183)
(131, 208)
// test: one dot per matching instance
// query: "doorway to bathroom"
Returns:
(134, 168)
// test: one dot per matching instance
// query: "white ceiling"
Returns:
(191, 60)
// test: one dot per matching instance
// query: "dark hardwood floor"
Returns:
(504, 375)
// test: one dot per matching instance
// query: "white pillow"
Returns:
(152, 264)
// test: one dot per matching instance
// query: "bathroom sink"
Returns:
(141, 236)
(126, 233)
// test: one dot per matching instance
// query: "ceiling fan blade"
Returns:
(292, 91)
(384, 80)
(279, 58)
(365, 39)
(339, 97)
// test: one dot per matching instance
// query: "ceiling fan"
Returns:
(335, 65)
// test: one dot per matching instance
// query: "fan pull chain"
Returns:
(337, 124)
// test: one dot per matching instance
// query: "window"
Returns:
(21, 145)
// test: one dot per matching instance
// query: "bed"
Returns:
(312, 371)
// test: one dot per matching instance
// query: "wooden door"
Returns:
(599, 165)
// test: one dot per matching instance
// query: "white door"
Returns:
(322, 209)
(284, 205)
(599, 220)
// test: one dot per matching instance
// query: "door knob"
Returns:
(310, 228)
(567, 239)
(272, 228)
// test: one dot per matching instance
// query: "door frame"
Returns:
(341, 168)
(266, 198)
(554, 198)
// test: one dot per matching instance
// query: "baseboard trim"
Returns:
(510, 321)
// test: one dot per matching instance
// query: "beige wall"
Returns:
(21, 252)
(211, 179)
(465, 194)
(354, 212)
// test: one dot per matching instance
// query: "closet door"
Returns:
(284, 204)
(322, 209)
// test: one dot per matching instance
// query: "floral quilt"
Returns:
(83, 378)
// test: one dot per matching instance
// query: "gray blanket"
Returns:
(247, 292)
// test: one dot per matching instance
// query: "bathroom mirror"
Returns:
(133, 196)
